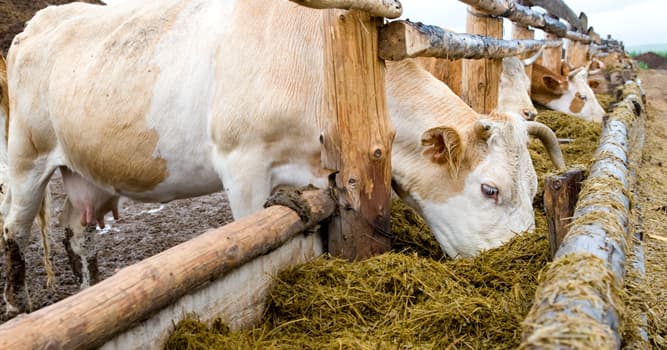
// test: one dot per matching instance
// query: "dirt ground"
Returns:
(14, 14)
(652, 192)
(653, 60)
(143, 230)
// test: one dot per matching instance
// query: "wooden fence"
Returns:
(135, 308)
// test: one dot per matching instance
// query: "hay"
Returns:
(411, 297)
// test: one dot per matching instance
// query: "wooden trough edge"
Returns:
(94, 315)
(404, 39)
(577, 303)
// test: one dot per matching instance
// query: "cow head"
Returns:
(480, 182)
(566, 93)
(514, 89)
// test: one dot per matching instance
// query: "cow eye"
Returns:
(490, 191)
(582, 97)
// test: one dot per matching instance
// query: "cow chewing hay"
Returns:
(411, 297)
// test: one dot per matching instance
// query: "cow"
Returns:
(161, 100)
(513, 88)
(569, 93)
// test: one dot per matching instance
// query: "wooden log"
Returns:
(404, 39)
(576, 54)
(552, 57)
(559, 9)
(377, 8)
(481, 78)
(89, 318)
(357, 140)
(578, 301)
(521, 32)
(560, 197)
(521, 14)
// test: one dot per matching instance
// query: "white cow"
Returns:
(161, 100)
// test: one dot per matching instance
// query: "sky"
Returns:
(635, 22)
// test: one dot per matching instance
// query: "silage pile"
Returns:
(412, 296)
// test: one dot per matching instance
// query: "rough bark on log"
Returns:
(87, 319)
(577, 303)
(377, 8)
(403, 39)
(524, 15)
(560, 197)
(357, 139)
(558, 8)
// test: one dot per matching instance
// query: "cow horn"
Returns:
(528, 61)
(548, 138)
(575, 72)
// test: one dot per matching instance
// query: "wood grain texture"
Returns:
(481, 78)
(357, 140)
(560, 198)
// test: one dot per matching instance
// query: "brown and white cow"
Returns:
(569, 93)
(161, 100)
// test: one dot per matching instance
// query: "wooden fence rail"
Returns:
(89, 318)
(577, 304)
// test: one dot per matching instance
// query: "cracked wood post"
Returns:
(481, 78)
(521, 32)
(357, 140)
(560, 197)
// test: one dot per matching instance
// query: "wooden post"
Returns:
(357, 140)
(89, 318)
(520, 32)
(560, 197)
(481, 78)
(551, 58)
(576, 53)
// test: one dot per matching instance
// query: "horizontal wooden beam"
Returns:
(377, 8)
(524, 15)
(404, 39)
(89, 318)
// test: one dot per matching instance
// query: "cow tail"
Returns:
(43, 218)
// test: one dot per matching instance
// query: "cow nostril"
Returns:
(528, 114)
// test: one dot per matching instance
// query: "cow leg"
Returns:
(80, 245)
(26, 192)
(247, 182)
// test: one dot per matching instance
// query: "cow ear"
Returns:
(553, 84)
(443, 146)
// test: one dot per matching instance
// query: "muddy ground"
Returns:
(652, 194)
(143, 230)
(14, 14)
